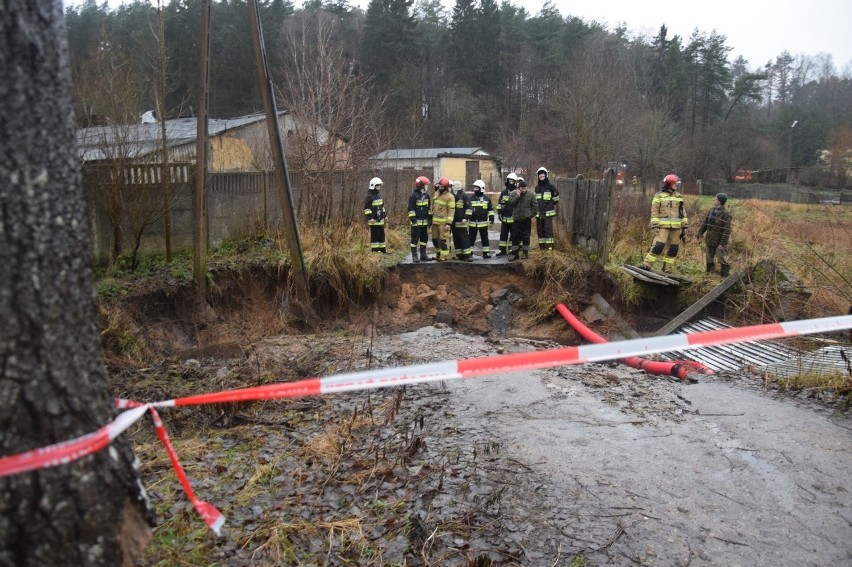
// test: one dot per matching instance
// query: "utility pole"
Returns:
(199, 197)
(790, 156)
(298, 273)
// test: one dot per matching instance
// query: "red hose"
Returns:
(679, 369)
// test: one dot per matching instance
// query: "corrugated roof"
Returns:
(733, 356)
(134, 141)
(427, 153)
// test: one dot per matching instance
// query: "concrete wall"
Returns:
(239, 205)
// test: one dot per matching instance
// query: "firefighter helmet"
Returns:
(521, 180)
(670, 180)
(543, 170)
(444, 182)
(421, 182)
(374, 182)
(480, 184)
(512, 177)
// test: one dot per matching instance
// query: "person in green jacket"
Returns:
(524, 209)
(717, 226)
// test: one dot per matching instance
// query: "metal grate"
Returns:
(733, 356)
(823, 362)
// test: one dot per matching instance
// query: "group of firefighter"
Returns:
(457, 216)
(453, 213)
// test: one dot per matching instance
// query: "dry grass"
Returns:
(122, 339)
(342, 268)
(558, 272)
(813, 241)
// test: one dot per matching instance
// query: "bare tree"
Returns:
(335, 124)
(594, 107)
(54, 384)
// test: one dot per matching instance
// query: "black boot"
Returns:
(414, 257)
(515, 256)
(502, 252)
(725, 270)
(710, 267)
(486, 255)
(423, 256)
(526, 254)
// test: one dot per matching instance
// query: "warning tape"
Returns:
(67, 451)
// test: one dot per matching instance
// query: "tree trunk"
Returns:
(53, 384)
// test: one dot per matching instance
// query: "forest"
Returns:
(545, 88)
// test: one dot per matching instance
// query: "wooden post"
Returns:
(199, 197)
(282, 178)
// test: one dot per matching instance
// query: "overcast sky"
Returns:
(757, 30)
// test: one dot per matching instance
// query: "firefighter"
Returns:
(461, 220)
(717, 225)
(504, 213)
(419, 207)
(374, 211)
(482, 218)
(524, 208)
(669, 223)
(548, 197)
(443, 208)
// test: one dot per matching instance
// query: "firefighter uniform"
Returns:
(461, 219)
(504, 213)
(482, 218)
(443, 209)
(668, 220)
(548, 197)
(419, 207)
(374, 212)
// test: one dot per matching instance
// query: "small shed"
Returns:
(458, 164)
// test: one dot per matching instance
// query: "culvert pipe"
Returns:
(679, 369)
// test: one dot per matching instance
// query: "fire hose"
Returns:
(679, 369)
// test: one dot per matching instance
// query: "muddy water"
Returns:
(724, 476)
(643, 470)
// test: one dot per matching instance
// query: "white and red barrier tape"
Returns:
(67, 451)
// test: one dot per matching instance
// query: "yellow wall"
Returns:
(454, 169)
(230, 154)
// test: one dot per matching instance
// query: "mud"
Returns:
(592, 465)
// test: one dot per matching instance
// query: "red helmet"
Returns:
(421, 182)
(444, 182)
(670, 180)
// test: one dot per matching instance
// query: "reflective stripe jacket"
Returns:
(717, 225)
(419, 206)
(504, 209)
(547, 196)
(464, 209)
(668, 211)
(483, 210)
(443, 208)
(374, 208)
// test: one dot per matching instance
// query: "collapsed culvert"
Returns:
(491, 300)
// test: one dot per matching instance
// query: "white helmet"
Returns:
(512, 176)
(479, 183)
(541, 170)
(374, 182)
(520, 179)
